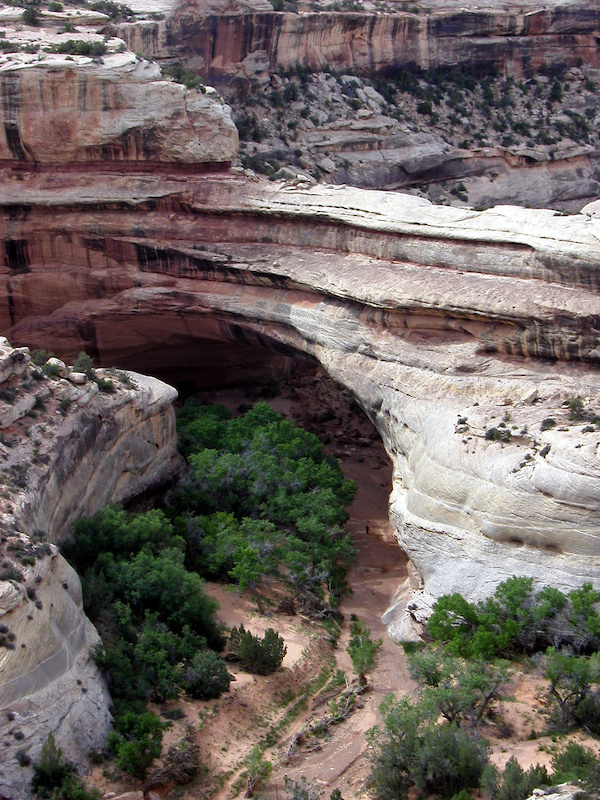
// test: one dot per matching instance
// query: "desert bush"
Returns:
(84, 363)
(301, 790)
(513, 783)
(116, 11)
(206, 676)
(39, 357)
(573, 763)
(51, 370)
(412, 749)
(31, 15)
(362, 649)
(54, 779)
(189, 79)
(259, 655)
(136, 741)
(79, 47)
(257, 770)
(181, 763)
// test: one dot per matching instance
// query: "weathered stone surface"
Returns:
(70, 109)
(49, 681)
(65, 460)
(566, 791)
(78, 378)
(445, 323)
(514, 39)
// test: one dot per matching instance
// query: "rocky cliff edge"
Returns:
(66, 448)
(73, 110)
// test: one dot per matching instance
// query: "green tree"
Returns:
(454, 621)
(257, 770)
(516, 619)
(362, 649)
(461, 690)
(137, 742)
(206, 676)
(412, 749)
(273, 479)
(570, 693)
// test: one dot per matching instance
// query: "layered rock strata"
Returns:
(464, 335)
(72, 110)
(230, 41)
(66, 449)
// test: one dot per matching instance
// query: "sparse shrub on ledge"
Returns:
(40, 357)
(79, 47)
(84, 363)
(118, 12)
(498, 435)
(31, 15)
(189, 79)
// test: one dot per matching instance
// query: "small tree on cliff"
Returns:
(54, 779)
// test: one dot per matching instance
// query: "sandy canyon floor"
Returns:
(275, 711)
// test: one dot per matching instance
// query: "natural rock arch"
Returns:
(444, 323)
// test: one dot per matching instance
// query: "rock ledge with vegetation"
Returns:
(68, 445)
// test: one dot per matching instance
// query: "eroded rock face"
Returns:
(66, 450)
(218, 38)
(463, 334)
(69, 110)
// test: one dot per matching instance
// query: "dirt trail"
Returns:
(381, 567)
(340, 761)
(270, 710)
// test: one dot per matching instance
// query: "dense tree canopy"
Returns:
(262, 500)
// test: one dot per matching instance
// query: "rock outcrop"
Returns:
(226, 41)
(470, 338)
(72, 110)
(66, 449)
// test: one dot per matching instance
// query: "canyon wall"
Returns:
(249, 46)
(66, 449)
(464, 335)
(471, 339)
(224, 43)
(73, 110)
